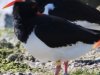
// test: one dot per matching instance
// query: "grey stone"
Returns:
(12, 57)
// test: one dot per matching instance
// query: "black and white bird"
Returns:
(73, 10)
(49, 37)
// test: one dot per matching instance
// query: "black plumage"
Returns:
(72, 10)
(52, 30)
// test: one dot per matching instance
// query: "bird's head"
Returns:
(18, 1)
(23, 8)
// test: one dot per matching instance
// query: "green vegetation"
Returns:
(6, 65)
(85, 72)
(6, 31)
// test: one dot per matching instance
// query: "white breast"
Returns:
(44, 53)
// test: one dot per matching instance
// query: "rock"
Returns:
(85, 62)
(9, 41)
(12, 57)
(4, 74)
(31, 58)
(13, 40)
(49, 65)
(20, 57)
(8, 21)
(9, 73)
(19, 73)
(5, 44)
(18, 44)
(2, 43)
(29, 73)
(3, 18)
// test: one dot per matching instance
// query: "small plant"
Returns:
(85, 72)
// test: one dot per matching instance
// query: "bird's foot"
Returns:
(66, 68)
(58, 67)
(66, 74)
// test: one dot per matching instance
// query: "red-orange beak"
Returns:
(96, 45)
(12, 3)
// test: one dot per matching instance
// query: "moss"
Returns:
(85, 72)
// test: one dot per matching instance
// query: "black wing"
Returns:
(56, 32)
(75, 10)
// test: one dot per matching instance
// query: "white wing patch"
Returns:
(85, 24)
(88, 25)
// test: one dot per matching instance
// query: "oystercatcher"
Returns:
(50, 37)
(73, 10)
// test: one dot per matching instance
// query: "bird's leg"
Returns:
(58, 67)
(66, 68)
